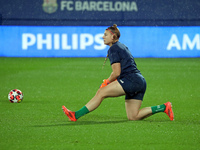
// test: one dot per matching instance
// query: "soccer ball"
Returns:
(15, 96)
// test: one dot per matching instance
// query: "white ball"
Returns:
(15, 96)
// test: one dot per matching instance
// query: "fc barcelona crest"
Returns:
(50, 6)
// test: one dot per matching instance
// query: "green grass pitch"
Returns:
(48, 83)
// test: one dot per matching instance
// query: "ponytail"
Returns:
(105, 61)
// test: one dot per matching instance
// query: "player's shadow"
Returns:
(82, 123)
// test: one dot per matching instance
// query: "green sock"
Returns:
(159, 108)
(81, 112)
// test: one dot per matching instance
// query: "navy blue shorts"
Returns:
(134, 86)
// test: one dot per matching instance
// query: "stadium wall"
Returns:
(0, 19)
(73, 28)
(100, 12)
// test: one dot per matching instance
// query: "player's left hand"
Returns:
(105, 83)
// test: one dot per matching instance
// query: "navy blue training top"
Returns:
(119, 53)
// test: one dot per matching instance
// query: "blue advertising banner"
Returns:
(23, 41)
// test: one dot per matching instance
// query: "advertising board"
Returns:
(40, 41)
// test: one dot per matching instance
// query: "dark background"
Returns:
(150, 13)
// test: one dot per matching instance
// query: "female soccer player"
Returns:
(125, 79)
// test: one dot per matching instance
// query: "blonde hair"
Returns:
(105, 61)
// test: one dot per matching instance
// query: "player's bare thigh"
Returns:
(113, 89)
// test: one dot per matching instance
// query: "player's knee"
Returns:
(101, 93)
